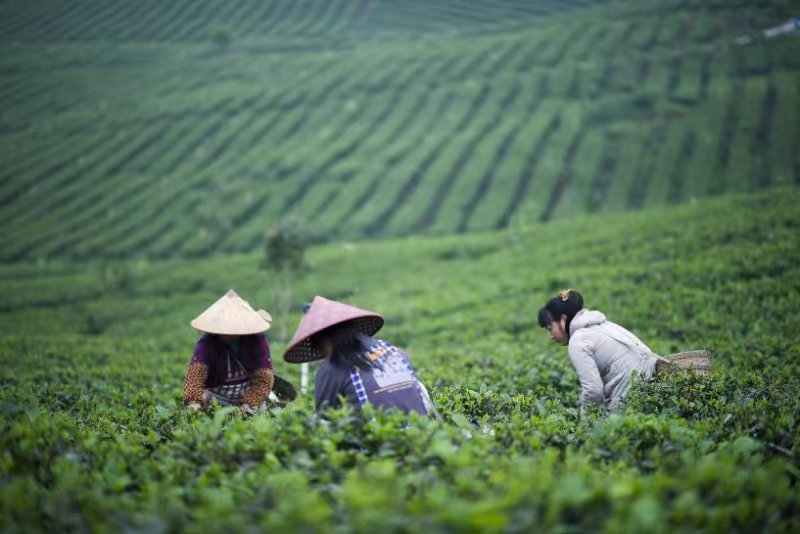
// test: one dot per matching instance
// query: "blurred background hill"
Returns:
(186, 128)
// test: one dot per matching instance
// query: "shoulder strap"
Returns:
(616, 332)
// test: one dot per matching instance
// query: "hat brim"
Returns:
(304, 350)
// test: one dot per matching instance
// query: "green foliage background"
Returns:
(127, 129)
(95, 437)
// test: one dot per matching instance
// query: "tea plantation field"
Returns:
(95, 437)
(185, 128)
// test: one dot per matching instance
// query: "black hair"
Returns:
(545, 317)
(350, 347)
(569, 302)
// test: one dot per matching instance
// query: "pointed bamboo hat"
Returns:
(323, 314)
(232, 315)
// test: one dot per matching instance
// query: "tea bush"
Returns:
(95, 435)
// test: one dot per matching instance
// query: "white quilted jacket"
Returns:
(605, 355)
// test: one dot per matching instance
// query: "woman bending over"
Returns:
(604, 354)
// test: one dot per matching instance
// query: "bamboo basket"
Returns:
(283, 391)
(693, 361)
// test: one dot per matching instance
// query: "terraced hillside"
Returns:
(187, 128)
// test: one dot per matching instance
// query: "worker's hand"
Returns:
(247, 410)
(196, 406)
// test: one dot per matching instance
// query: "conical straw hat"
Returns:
(232, 315)
(323, 314)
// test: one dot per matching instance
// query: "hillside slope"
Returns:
(185, 129)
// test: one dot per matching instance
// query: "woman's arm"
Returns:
(258, 387)
(194, 383)
(582, 359)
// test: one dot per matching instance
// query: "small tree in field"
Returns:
(285, 245)
(222, 36)
(284, 253)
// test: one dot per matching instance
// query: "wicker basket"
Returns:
(284, 391)
(694, 361)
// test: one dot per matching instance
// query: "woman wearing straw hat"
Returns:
(231, 361)
(355, 366)
(605, 355)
